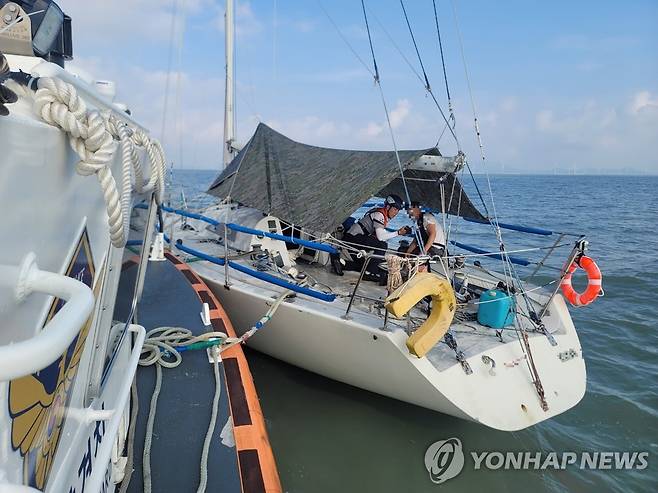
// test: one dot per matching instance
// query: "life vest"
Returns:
(424, 234)
(421, 228)
(367, 223)
(594, 280)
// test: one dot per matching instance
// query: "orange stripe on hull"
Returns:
(249, 438)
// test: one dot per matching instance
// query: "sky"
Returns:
(558, 86)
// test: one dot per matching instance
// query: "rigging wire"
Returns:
(452, 196)
(475, 120)
(443, 62)
(179, 63)
(174, 16)
(397, 47)
(375, 75)
(427, 85)
(413, 69)
(445, 76)
(275, 23)
(477, 132)
(509, 270)
(372, 51)
(497, 229)
(416, 231)
(165, 106)
(345, 40)
(477, 189)
(413, 40)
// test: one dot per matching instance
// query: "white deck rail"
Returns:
(26, 357)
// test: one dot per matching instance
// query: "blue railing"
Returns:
(243, 229)
(496, 255)
(290, 239)
(263, 276)
(513, 227)
(192, 215)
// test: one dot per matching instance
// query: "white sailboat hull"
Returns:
(314, 336)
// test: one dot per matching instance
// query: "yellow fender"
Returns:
(403, 299)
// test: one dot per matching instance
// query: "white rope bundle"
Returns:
(394, 265)
(160, 349)
(92, 136)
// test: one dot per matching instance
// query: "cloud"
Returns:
(312, 129)
(246, 22)
(572, 125)
(357, 134)
(509, 104)
(589, 135)
(544, 120)
(400, 113)
(593, 135)
(195, 131)
(111, 23)
(127, 41)
(643, 101)
(372, 130)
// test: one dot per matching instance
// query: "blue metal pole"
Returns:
(496, 255)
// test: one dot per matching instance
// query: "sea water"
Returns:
(330, 437)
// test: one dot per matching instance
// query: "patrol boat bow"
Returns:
(73, 164)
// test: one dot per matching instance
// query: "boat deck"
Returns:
(173, 296)
(472, 338)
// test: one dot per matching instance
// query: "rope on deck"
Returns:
(161, 345)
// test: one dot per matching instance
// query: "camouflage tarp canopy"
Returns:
(318, 188)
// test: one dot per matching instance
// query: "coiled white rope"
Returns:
(394, 265)
(161, 348)
(92, 136)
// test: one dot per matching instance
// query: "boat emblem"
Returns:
(38, 402)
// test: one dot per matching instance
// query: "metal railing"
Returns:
(356, 286)
(263, 276)
(26, 357)
(578, 249)
(104, 452)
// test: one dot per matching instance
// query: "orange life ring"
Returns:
(594, 279)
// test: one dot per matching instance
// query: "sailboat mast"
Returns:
(229, 96)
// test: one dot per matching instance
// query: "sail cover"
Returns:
(318, 188)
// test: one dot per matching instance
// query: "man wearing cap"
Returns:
(370, 234)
